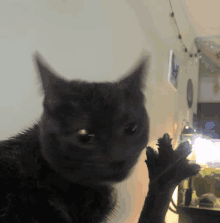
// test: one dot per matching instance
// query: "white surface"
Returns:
(206, 92)
(204, 16)
(96, 46)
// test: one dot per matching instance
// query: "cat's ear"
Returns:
(136, 80)
(47, 76)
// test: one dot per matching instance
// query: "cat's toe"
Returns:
(184, 149)
(195, 168)
(167, 138)
(151, 153)
(165, 150)
(185, 170)
(152, 156)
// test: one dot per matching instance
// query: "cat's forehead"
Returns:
(93, 92)
(98, 97)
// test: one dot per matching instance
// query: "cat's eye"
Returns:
(84, 137)
(131, 128)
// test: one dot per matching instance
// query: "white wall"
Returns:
(206, 85)
(206, 92)
(202, 14)
(96, 40)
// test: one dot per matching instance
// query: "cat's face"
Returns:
(93, 132)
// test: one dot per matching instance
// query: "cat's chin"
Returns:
(87, 172)
(95, 178)
(107, 182)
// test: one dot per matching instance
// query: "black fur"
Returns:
(90, 135)
(48, 175)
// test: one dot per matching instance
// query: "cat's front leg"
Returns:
(167, 169)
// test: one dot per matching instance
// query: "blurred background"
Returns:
(102, 41)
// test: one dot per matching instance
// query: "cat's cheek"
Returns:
(50, 149)
(51, 157)
(94, 176)
(84, 172)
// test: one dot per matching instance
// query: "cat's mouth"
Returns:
(117, 165)
(113, 165)
(87, 171)
(93, 172)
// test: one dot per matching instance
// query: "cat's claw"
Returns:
(168, 166)
(167, 138)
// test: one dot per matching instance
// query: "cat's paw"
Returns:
(169, 167)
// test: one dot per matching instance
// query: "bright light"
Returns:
(187, 127)
(206, 150)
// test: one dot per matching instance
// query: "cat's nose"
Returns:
(117, 165)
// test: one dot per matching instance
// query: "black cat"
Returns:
(90, 135)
